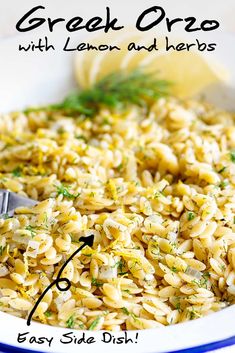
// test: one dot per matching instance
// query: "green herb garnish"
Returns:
(31, 230)
(70, 322)
(203, 282)
(2, 249)
(191, 216)
(105, 121)
(192, 314)
(125, 311)
(113, 91)
(64, 190)
(94, 323)
(48, 313)
(5, 216)
(223, 267)
(120, 266)
(80, 137)
(178, 306)
(232, 156)
(96, 283)
(223, 184)
(17, 172)
(61, 131)
(119, 167)
(222, 170)
(174, 269)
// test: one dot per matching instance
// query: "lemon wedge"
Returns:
(189, 71)
(106, 62)
(134, 59)
(92, 65)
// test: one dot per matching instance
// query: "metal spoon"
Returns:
(9, 201)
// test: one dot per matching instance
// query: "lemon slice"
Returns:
(133, 58)
(92, 65)
(106, 62)
(189, 71)
(84, 60)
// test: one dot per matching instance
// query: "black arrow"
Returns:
(86, 241)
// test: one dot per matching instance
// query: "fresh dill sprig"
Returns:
(113, 91)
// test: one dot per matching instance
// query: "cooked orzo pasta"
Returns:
(157, 190)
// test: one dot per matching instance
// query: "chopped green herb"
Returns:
(48, 313)
(191, 215)
(45, 219)
(2, 249)
(158, 194)
(206, 275)
(94, 323)
(5, 216)
(17, 172)
(178, 307)
(31, 230)
(174, 269)
(70, 322)
(105, 121)
(223, 184)
(96, 283)
(232, 156)
(222, 170)
(192, 314)
(119, 167)
(123, 273)
(125, 311)
(80, 137)
(61, 131)
(203, 281)
(173, 244)
(120, 266)
(223, 267)
(64, 190)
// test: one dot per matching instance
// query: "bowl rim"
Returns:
(208, 333)
(209, 347)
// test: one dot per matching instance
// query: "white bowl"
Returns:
(28, 79)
